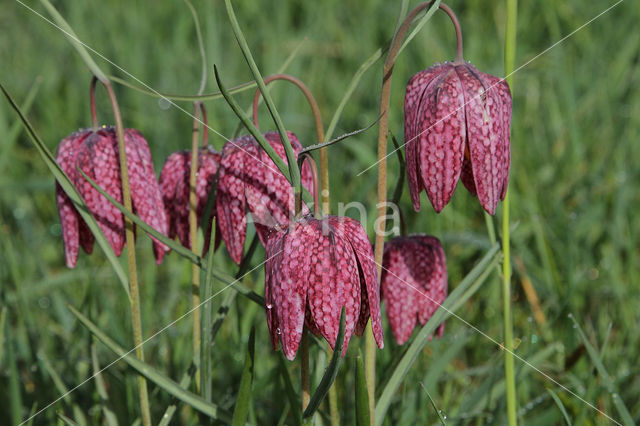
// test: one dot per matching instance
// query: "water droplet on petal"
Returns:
(278, 331)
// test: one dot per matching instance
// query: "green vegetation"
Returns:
(574, 200)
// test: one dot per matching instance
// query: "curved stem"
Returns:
(131, 255)
(92, 102)
(387, 70)
(324, 165)
(509, 65)
(193, 234)
(316, 187)
(205, 124)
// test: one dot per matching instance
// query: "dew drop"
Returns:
(269, 306)
(278, 331)
(442, 414)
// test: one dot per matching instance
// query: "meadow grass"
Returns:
(574, 202)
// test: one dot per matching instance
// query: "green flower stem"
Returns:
(193, 235)
(324, 165)
(305, 381)
(92, 103)
(131, 256)
(509, 65)
(387, 71)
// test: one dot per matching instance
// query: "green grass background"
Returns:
(574, 187)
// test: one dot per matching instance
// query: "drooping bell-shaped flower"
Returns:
(314, 267)
(249, 180)
(457, 123)
(414, 282)
(174, 185)
(96, 154)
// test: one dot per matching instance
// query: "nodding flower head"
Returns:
(96, 154)
(249, 180)
(414, 282)
(457, 126)
(314, 267)
(174, 185)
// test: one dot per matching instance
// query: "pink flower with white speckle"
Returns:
(314, 267)
(414, 282)
(249, 180)
(96, 153)
(457, 126)
(174, 185)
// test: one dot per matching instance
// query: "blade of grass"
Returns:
(560, 406)
(467, 287)
(162, 381)
(73, 194)
(627, 420)
(294, 171)
(331, 372)
(363, 416)
(12, 134)
(110, 418)
(14, 394)
(244, 392)
(74, 40)
(441, 417)
(291, 393)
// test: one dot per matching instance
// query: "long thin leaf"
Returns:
(109, 416)
(152, 374)
(363, 416)
(177, 247)
(294, 174)
(74, 40)
(627, 420)
(459, 296)
(331, 372)
(290, 391)
(560, 405)
(73, 194)
(206, 96)
(244, 392)
(439, 413)
(184, 383)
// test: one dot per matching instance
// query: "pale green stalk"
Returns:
(509, 65)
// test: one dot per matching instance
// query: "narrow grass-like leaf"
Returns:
(271, 106)
(152, 374)
(73, 194)
(560, 405)
(110, 418)
(184, 383)
(363, 416)
(177, 247)
(294, 400)
(433, 404)
(75, 41)
(331, 372)
(13, 132)
(206, 96)
(627, 420)
(14, 395)
(467, 287)
(66, 420)
(421, 21)
(244, 393)
(338, 139)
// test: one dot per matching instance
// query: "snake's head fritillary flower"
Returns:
(314, 267)
(174, 185)
(414, 282)
(96, 154)
(249, 180)
(457, 125)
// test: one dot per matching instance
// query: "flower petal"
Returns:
(98, 159)
(485, 135)
(361, 246)
(399, 292)
(442, 135)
